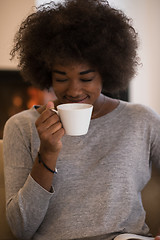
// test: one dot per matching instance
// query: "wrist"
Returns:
(41, 161)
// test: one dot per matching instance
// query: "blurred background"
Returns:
(16, 95)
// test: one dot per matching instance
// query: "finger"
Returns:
(53, 135)
(46, 113)
(52, 129)
(51, 120)
(49, 126)
(49, 105)
(44, 116)
(58, 135)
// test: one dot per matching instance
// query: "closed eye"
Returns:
(86, 80)
(61, 80)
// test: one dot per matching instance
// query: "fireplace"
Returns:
(17, 95)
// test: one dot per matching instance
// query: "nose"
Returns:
(74, 89)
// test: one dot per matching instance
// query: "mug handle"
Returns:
(54, 110)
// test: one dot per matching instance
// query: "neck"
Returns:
(98, 106)
(104, 105)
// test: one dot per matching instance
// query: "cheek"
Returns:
(58, 92)
(58, 88)
(97, 88)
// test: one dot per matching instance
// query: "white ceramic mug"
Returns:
(75, 117)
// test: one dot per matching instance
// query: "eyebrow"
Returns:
(59, 72)
(81, 73)
(87, 71)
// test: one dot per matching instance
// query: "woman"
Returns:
(81, 48)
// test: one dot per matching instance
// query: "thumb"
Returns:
(49, 105)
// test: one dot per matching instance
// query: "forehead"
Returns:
(72, 67)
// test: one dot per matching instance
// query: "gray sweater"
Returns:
(97, 191)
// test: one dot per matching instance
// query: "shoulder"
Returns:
(141, 109)
(22, 121)
(143, 113)
(24, 116)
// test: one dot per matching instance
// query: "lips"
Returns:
(76, 100)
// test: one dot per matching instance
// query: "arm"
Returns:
(27, 184)
(155, 158)
(50, 133)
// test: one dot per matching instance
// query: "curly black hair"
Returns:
(87, 31)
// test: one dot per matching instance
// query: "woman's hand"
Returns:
(50, 131)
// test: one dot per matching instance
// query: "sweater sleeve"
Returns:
(155, 140)
(26, 201)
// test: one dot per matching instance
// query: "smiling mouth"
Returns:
(75, 100)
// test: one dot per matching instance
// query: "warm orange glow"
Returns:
(17, 101)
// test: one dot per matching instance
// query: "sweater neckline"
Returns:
(113, 113)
